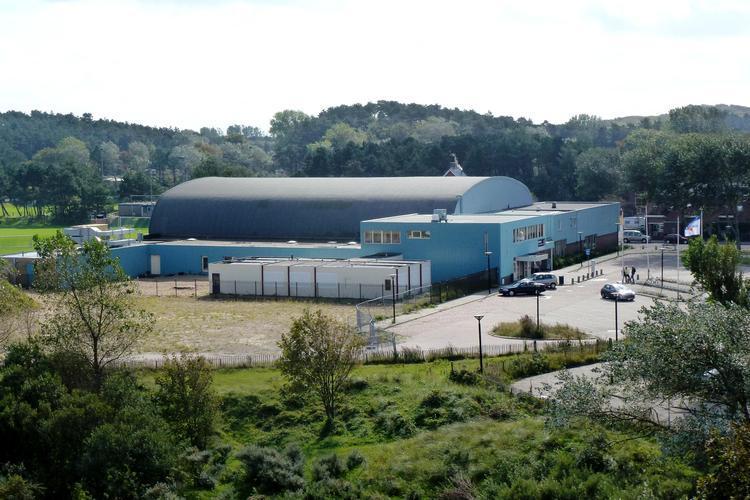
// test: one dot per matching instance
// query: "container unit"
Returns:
(358, 279)
(418, 272)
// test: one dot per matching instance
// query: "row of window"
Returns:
(391, 237)
(394, 237)
(531, 232)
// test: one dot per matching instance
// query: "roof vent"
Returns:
(554, 204)
(439, 215)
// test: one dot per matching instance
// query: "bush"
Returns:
(354, 460)
(439, 408)
(356, 385)
(524, 366)
(393, 424)
(464, 376)
(269, 472)
(333, 488)
(328, 467)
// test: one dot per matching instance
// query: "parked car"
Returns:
(633, 235)
(549, 280)
(617, 291)
(672, 239)
(524, 286)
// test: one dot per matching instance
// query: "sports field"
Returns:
(16, 237)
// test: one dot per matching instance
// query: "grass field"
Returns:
(423, 434)
(16, 233)
(16, 236)
(185, 324)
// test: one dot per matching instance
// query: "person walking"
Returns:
(632, 274)
(625, 276)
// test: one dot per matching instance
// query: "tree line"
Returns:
(70, 165)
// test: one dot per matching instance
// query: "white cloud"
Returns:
(201, 63)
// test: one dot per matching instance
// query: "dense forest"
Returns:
(65, 166)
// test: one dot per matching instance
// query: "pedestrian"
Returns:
(632, 274)
(624, 274)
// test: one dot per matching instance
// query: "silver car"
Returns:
(549, 280)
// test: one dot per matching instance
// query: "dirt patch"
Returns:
(185, 324)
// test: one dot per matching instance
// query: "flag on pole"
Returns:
(694, 228)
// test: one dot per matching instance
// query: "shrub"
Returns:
(356, 385)
(440, 408)
(333, 488)
(527, 327)
(393, 424)
(464, 376)
(328, 467)
(524, 366)
(269, 472)
(354, 460)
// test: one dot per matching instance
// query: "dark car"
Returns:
(524, 286)
(617, 291)
(549, 280)
(672, 239)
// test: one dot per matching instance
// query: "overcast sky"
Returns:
(194, 63)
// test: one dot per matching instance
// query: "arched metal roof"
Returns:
(315, 208)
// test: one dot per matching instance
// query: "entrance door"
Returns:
(156, 265)
(215, 284)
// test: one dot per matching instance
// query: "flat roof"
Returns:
(259, 244)
(497, 218)
(566, 206)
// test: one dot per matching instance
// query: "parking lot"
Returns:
(579, 305)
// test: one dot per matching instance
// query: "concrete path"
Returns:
(541, 385)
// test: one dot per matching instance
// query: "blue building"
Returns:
(461, 225)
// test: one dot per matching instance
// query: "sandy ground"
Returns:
(185, 324)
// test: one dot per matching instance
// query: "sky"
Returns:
(196, 63)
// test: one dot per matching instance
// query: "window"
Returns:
(559, 223)
(574, 222)
(204, 263)
(386, 237)
(417, 234)
(560, 246)
(528, 233)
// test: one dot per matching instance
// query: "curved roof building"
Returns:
(318, 209)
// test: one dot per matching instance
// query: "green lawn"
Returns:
(16, 236)
(16, 233)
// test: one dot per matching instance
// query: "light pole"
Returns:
(393, 290)
(580, 248)
(662, 268)
(479, 324)
(617, 299)
(537, 311)
(489, 277)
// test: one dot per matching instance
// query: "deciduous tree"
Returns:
(94, 316)
(318, 355)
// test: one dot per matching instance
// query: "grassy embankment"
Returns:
(423, 433)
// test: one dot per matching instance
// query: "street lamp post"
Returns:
(662, 268)
(479, 324)
(537, 311)
(393, 291)
(617, 299)
(580, 248)
(489, 277)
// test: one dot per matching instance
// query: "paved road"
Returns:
(578, 305)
